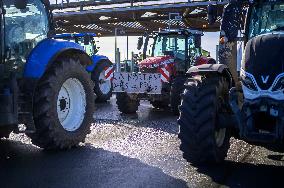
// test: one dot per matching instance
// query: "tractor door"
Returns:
(194, 49)
(181, 53)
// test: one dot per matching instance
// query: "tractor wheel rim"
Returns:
(220, 137)
(71, 104)
(104, 84)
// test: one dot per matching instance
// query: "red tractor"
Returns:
(161, 77)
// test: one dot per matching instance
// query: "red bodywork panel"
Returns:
(204, 60)
(166, 65)
(154, 62)
(161, 64)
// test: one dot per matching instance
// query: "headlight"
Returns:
(279, 85)
(248, 82)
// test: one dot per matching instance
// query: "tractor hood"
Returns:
(264, 58)
(153, 62)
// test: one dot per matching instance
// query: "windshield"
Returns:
(266, 18)
(91, 48)
(173, 45)
(24, 28)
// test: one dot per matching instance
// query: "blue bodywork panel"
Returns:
(43, 53)
(73, 35)
(96, 59)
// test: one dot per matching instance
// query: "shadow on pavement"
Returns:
(23, 165)
(234, 174)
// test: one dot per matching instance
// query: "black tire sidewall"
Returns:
(50, 134)
(126, 104)
(77, 74)
(198, 141)
(95, 77)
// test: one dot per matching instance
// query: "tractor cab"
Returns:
(42, 78)
(179, 48)
(25, 24)
(263, 62)
(87, 40)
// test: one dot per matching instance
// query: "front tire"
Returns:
(103, 88)
(63, 106)
(201, 139)
(126, 104)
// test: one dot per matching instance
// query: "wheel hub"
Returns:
(63, 104)
(71, 104)
(104, 84)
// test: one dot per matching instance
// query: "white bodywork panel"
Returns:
(149, 83)
(252, 95)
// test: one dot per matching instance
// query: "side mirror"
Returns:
(140, 43)
(212, 11)
(21, 4)
(87, 40)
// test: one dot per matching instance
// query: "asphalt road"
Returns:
(133, 151)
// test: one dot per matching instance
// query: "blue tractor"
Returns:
(101, 69)
(43, 82)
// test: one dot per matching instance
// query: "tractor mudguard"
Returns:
(202, 69)
(44, 53)
(212, 68)
(95, 60)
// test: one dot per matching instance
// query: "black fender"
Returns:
(209, 69)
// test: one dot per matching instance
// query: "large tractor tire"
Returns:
(177, 88)
(103, 87)
(202, 141)
(63, 106)
(159, 104)
(125, 104)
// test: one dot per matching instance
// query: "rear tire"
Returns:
(176, 91)
(63, 106)
(125, 104)
(201, 139)
(103, 88)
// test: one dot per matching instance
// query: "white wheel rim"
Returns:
(220, 137)
(104, 84)
(71, 104)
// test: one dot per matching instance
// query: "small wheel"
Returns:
(177, 88)
(103, 87)
(202, 141)
(126, 104)
(63, 106)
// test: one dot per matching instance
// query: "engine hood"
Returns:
(153, 62)
(264, 58)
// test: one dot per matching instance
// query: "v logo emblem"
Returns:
(264, 79)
